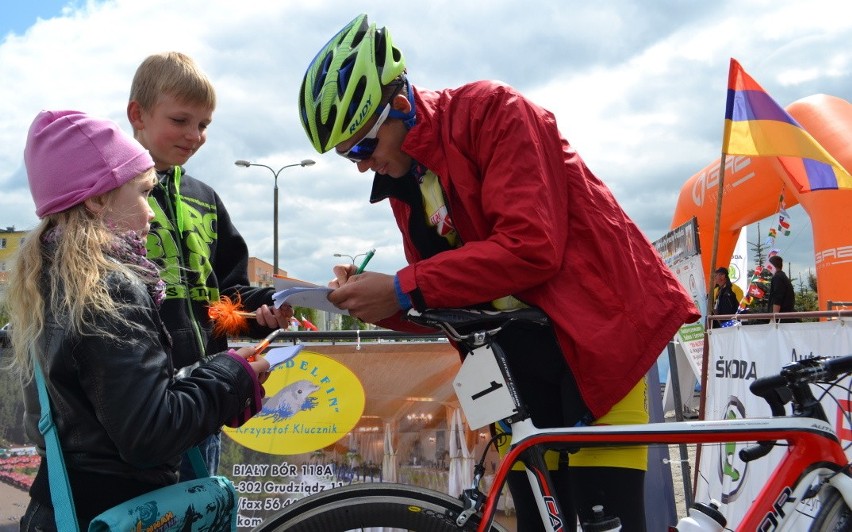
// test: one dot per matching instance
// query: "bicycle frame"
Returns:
(813, 451)
(487, 392)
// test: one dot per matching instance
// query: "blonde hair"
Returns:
(171, 73)
(72, 271)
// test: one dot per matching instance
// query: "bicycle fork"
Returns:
(540, 482)
(843, 483)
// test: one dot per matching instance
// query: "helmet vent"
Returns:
(381, 48)
(359, 35)
(323, 133)
(321, 74)
(344, 73)
(356, 101)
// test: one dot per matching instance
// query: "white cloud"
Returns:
(637, 86)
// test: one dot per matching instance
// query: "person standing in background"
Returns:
(782, 296)
(202, 255)
(727, 301)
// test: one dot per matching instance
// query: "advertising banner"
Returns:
(738, 356)
(680, 251)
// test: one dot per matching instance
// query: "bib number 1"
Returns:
(481, 389)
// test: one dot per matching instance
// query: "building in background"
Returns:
(10, 241)
(260, 272)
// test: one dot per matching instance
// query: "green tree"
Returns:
(760, 252)
(758, 249)
(351, 323)
(807, 298)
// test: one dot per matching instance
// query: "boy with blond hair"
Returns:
(201, 254)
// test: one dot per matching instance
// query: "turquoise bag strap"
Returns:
(198, 465)
(60, 487)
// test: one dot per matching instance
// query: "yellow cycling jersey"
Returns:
(631, 410)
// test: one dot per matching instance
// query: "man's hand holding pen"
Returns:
(369, 296)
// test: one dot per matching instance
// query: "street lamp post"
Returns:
(246, 164)
(350, 257)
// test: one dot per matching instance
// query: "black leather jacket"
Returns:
(117, 405)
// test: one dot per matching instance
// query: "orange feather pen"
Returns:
(228, 317)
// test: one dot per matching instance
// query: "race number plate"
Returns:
(482, 390)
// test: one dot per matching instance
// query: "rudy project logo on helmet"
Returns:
(365, 113)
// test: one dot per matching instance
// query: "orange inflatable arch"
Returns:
(752, 186)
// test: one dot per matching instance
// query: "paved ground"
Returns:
(677, 478)
(13, 502)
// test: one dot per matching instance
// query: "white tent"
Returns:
(389, 460)
(461, 461)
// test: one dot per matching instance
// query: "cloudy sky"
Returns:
(638, 87)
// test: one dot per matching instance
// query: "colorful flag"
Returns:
(784, 223)
(307, 324)
(756, 125)
(783, 217)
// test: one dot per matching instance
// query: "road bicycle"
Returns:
(813, 470)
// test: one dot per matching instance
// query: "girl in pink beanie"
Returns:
(83, 302)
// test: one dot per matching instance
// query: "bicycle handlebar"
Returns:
(780, 389)
(792, 384)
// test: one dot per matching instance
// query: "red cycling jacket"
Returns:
(537, 224)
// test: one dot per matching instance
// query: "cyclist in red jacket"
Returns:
(496, 209)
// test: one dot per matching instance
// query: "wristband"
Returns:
(403, 299)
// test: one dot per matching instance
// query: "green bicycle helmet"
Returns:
(342, 87)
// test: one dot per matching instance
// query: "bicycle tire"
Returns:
(833, 514)
(358, 506)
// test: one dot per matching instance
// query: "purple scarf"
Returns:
(129, 248)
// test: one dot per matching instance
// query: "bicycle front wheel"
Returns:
(361, 506)
(833, 512)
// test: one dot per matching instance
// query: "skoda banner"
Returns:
(738, 356)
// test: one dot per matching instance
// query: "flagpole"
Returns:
(705, 355)
(705, 352)
(716, 230)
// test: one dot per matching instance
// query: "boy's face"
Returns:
(172, 131)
